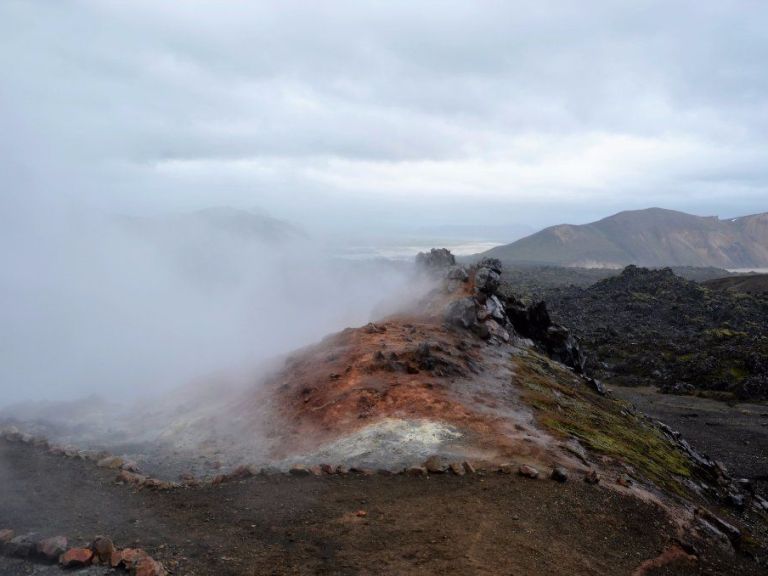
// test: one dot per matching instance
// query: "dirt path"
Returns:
(286, 525)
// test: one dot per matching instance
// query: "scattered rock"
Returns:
(592, 477)
(6, 535)
(130, 478)
(733, 533)
(50, 549)
(506, 468)
(342, 470)
(596, 385)
(469, 467)
(487, 281)
(76, 558)
(559, 474)
(361, 513)
(103, 549)
(111, 462)
(457, 469)
(624, 480)
(22, 546)
(528, 471)
(327, 469)
(416, 471)
(434, 465)
(299, 470)
(147, 566)
(127, 558)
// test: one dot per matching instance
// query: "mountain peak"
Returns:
(650, 237)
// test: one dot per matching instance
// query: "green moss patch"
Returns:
(567, 408)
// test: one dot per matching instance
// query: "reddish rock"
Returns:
(434, 465)
(112, 462)
(130, 478)
(6, 535)
(592, 477)
(469, 467)
(147, 566)
(457, 468)
(76, 558)
(299, 470)
(127, 558)
(240, 473)
(316, 470)
(361, 513)
(327, 469)
(507, 468)
(103, 548)
(528, 471)
(51, 548)
(155, 484)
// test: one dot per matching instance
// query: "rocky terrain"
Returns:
(463, 434)
(651, 237)
(651, 327)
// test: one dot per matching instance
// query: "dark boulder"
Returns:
(435, 259)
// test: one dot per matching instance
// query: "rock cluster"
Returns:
(441, 264)
(101, 551)
(535, 323)
(483, 313)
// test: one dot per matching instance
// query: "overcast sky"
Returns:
(384, 115)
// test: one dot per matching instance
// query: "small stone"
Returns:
(51, 548)
(103, 548)
(342, 470)
(457, 468)
(130, 478)
(147, 566)
(469, 467)
(299, 470)
(434, 465)
(416, 471)
(528, 471)
(327, 469)
(126, 558)
(592, 477)
(76, 558)
(506, 468)
(361, 513)
(112, 462)
(22, 546)
(6, 535)
(316, 470)
(559, 474)
(624, 481)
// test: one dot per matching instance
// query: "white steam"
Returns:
(124, 308)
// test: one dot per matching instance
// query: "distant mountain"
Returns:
(652, 237)
(220, 221)
(750, 283)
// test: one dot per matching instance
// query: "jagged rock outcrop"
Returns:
(534, 322)
(483, 313)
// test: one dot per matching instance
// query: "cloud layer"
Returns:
(543, 111)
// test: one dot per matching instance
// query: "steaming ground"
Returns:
(127, 308)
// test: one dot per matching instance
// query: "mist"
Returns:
(125, 308)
